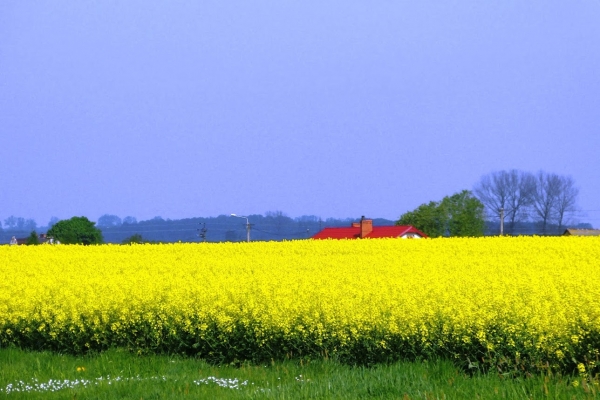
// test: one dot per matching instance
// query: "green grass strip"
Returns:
(120, 374)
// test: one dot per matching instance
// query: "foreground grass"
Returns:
(119, 374)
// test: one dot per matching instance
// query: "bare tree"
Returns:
(509, 190)
(492, 193)
(547, 191)
(521, 187)
(566, 201)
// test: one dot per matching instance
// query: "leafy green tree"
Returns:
(458, 215)
(76, 230)
(465, 214)
(429, 218)
(33, 238)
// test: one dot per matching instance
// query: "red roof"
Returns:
(377, 232)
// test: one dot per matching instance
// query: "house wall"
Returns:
(411, 235)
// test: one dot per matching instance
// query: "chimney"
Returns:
(366, 226)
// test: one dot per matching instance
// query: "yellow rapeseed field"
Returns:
(525, 303)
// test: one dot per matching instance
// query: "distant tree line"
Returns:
(522, 202)
(13, 223)
(272, 226)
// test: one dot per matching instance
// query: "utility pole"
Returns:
(247, 226)
(247, 231)
(501, 221)
(202, 232)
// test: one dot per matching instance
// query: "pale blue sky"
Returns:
(332, 108)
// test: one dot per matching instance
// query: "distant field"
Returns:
(511, 305)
